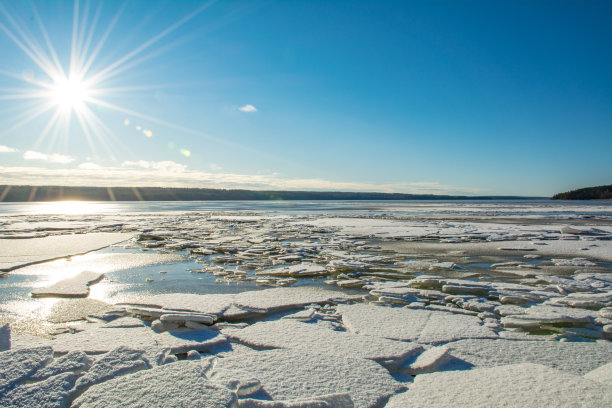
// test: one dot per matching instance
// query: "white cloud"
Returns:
(215, 167)
(51, 158)
(89, 166)
(248, 108)
(169, 174)
(6, 149)
(165, 166)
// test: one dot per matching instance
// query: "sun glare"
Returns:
(78, 87)
(70, 94)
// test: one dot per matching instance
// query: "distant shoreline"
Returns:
(18, 193)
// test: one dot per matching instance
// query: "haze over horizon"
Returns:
(422, 97)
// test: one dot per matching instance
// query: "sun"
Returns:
(70, 94)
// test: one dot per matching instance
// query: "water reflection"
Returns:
(70, 208)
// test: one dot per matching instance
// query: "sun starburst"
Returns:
(72, 89)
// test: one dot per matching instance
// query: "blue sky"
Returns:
(443, 97)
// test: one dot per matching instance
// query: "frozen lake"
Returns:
(391, 295)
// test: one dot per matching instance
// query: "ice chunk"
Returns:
(183, 341)
(15, 253)
(444, 266)
(124, 323)
(172, 385)
(77, 286)
(269, 300)
(518, 385)
(424, 326)
(577, 357)
(54, 392)
(300, 374)
(98, 340)
(182, 317)
(69, 310)
(430, 361)
(286, 333)
(299, 270)
(538, 315)
(73, 361)
(214, 304)
(18, 365)
(602, 374)
(120, 361)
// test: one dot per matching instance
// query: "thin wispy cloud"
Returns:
(215, 167)
(170, 174)
(164, 166)
(50, 158)
(247, 108)
(6, 149)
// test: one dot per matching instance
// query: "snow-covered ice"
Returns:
(287, 374)
(180, 384)
(517, 385)
(478, 304)
(423, 326)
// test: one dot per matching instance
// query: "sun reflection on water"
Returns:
(70, 208)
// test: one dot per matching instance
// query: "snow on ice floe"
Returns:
(300, 270)
(286, 333)
(15, 253)
(288, 374)
(524, 385)
(601, 374)
(98, 339)
(54, 392)
(276, 299)
(423, 326)
(181, 384)
(73, 361)
(16, 365)
(120, 361)
(576, 357)
(77, 286)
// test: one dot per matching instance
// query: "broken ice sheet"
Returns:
(76, 286)
(287, 374)
(287, 333)
(423, 326)
(172, 385)
(576, 357)
(520, 385)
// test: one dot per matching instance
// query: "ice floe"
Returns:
(77, 286)
(286, 333)
(181, 384)
(577, 357)
(525, 385)
(423, 326)
(16, 365)
(15, 253)
(288, 374)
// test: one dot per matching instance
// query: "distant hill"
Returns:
(63, 193)
(589, 193)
